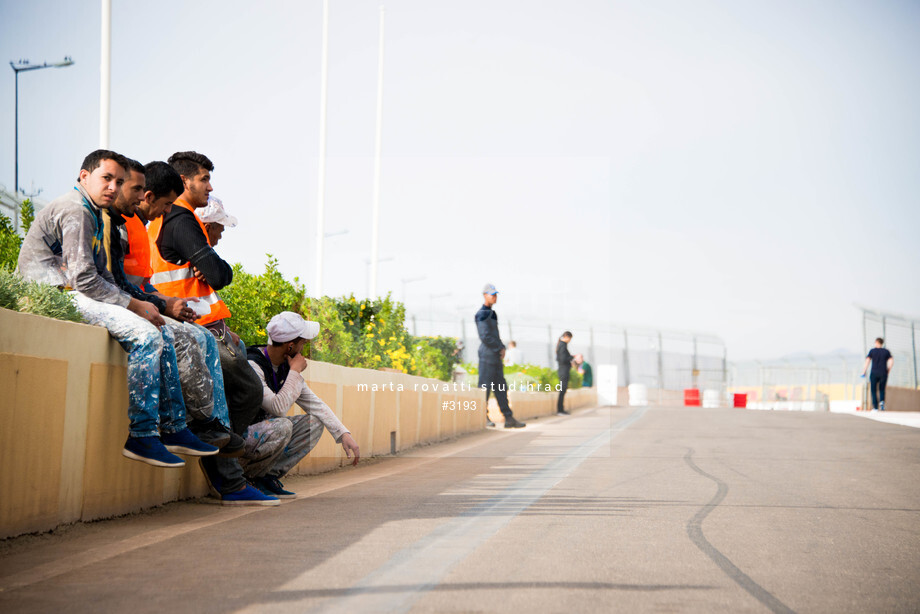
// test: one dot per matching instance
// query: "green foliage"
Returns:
(33, 297)
(531, 374)
(26, 215)
(542, 375)
(254, 299)
(377, 331)
(435, 356)
(10, 242)
(12, 286)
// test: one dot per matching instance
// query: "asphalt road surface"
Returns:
(608, 510)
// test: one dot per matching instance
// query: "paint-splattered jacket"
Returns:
(64, 248)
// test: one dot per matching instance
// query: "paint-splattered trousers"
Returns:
(199, 372)
(274, 446)
(244, 399)
(155, 403)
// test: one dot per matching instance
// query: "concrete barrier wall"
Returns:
(901, 399)
(63, 423)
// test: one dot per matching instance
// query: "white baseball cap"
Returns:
(288, 326)
(214, 213)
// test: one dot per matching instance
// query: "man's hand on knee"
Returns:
(146, 310)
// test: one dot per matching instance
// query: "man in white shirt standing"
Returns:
(276, 442)
(513, 355)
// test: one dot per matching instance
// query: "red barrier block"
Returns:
(741, 401)
(692, 397)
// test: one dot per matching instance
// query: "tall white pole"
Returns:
(375, 232)
(321, 196)
(105, 70)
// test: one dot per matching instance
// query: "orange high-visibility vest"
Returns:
(178, 279)
(137, 260)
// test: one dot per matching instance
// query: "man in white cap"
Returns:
(215, 218)
(276, 442)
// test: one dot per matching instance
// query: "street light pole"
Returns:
(375, 215)
(321, 182)
(18, 67)
(105, 74)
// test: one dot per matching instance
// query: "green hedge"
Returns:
(28, 296)
(534, 374)
(363, 333)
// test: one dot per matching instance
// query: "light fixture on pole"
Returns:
(23, 66)
(409, 280)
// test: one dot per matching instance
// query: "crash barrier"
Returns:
(63, 396)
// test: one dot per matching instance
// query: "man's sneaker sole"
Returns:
(190, 451)
(150, 461)
(262, 502)
(290, 495)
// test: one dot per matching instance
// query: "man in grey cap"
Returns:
(491, 353)
(276, 442)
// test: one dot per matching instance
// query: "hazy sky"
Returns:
(746, 169)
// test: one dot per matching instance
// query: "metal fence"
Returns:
(801, 378)
(660, 359)
(900, 335)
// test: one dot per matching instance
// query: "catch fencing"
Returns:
(900, 335)
(663, 360)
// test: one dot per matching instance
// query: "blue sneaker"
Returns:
(184, 442)
(273, 487)
(248, 496)
(150, 450)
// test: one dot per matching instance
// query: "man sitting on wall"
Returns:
(276, 442)
(64, 247)
(185, 265)
(127, 249)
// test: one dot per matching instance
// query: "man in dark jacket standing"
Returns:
(491, 353)
(564, 359)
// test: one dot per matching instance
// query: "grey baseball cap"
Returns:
(489, 289)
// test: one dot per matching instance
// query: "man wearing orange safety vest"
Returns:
(184, 264)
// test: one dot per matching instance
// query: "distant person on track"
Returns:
(491, 353)
(882, 361)
(564, 360)
(513, 355)
(584, 368)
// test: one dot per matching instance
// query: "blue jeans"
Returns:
(878, 382)
(155, 402)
